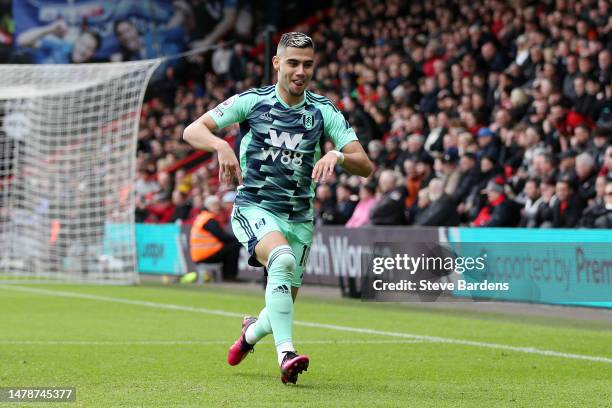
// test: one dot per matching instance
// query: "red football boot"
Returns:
(293, 364)
(240, 349)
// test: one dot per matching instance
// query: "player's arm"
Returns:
(355, 161)
(351, 156)
(200, 135)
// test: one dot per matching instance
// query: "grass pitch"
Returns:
(154, 346)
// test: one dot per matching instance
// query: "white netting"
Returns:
(67, 164)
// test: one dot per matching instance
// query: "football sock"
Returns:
(282, 348)
(279, 304)
(260, 329)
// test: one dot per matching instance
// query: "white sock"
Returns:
(282, 348)
(250, 336)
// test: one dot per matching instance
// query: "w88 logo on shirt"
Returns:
(279, 142)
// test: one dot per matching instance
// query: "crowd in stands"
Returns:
(482, 113)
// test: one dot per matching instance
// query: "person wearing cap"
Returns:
(451, 174)
(488, 143)
(499, 211)
(209, 243)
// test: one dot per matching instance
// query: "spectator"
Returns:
(470, 176)
(451, 174)
(165, 187)
(499, 210)
(597, 206)
(389, 206)
(488, 143)
(543, 166)
(586, 174)
(181, 206)
(567, 162)
(424, 169)
(604, 219)
(440, 209)
(568, 207)
(392, 75)
(346, 204)
(51, 47)
(606, 169)
(532, 203)
(227, 206)
(325, 205)
(412, 183)
(361, 215)
(209, 243)
(134, 46)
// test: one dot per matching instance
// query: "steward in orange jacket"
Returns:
(210, 243)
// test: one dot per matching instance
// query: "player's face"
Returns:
(295, 67)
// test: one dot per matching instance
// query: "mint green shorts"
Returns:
(251, 223)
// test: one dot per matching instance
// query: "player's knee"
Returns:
(284, 261)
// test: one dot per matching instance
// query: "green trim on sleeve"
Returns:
(233, 110)
(336, 128)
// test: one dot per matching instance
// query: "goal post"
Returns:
(68, 136)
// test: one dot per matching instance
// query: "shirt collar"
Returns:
(282, 101)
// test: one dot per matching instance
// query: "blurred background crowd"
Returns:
(481, 113)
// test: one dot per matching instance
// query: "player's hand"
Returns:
(228, 165)
(324, 168)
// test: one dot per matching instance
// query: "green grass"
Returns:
(92, 344)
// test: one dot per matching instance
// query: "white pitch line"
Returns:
(183, 342)
(497, 346)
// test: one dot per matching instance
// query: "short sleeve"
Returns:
(233, 110)
(336, 128)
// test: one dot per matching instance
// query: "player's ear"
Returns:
(276, 62)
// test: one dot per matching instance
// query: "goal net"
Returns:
(68, 137)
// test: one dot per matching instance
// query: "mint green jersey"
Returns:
(279, 147)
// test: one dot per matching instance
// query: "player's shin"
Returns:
(279, 304)
(259, 329)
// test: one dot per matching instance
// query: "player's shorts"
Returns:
(251, 223)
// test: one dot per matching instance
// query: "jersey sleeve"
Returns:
(336, 128)
(233, 110)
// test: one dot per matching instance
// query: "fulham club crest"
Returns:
(308, 121)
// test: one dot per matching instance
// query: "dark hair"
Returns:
(533, 179)
(370, 187)
(296, 40)
(117, 22)
(345, 186)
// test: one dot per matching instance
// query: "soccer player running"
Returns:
(283, 129)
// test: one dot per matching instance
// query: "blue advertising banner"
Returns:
(60, 31)
(159, 249)
(547, 266)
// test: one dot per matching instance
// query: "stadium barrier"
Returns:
(571, 267)
(159, 249)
